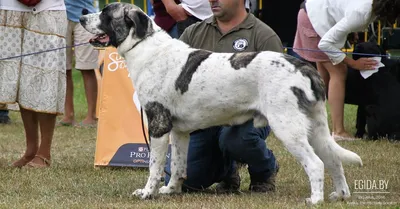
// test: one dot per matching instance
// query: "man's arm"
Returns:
(176, 11)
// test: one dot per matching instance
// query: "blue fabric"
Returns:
(173, 32)
(75, 7)
(3, 113)
(213, 151)
(149, 11)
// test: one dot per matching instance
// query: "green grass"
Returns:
(73, 182)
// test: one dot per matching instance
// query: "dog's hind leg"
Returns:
(291, 128)
(324, 146)
(180, 146)
(158, 153)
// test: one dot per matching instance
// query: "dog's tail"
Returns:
(346, 156)
(323, 142)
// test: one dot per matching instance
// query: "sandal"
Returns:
(36, 165)
(344, 138)
(62, 123)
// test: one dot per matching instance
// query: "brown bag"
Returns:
(30, 3)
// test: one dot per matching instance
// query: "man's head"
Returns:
(225, 10)
(386, 10)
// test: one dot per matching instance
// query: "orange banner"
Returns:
(120, 140)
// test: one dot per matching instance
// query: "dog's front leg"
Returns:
(180, 146)
(158, 152)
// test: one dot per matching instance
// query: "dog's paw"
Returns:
(142, 193)
(335, 196)
(168, 190)
(310, 201)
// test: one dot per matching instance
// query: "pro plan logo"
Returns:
(240, 44)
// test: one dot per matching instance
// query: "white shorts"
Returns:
(85, 55)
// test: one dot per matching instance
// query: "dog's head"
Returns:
(115, 23)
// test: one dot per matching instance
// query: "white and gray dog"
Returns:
(183, 89)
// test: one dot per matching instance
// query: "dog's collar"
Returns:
(145, 37)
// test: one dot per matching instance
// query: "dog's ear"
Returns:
(139, 21)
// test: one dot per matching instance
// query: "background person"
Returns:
(36, 82)
(324, 25)
(212, 151)
(86, 60)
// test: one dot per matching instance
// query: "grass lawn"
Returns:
(73, 182)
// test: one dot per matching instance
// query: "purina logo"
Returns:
(143, 149)
(240, 44)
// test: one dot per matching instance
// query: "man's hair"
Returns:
(386, 10)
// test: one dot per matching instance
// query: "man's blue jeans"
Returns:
(212, 153)
(3, 113)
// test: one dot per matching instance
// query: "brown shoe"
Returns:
(263, 186)
(229, 185)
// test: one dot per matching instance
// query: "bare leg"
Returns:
(47, 123)
(90, 82)
(69, 115)
(324, 74)
(30, 121)
(336, 94)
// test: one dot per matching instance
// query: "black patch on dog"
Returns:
(159, 118)
(241, 60)
(302, 100)
(139, 21)
(317, 84)
(194, 60)
(277, 63)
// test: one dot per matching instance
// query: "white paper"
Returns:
(367, 73)
(136, 101)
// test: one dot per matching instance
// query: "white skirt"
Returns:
(37, 82)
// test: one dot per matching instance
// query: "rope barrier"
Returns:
(304, 49)
(39, 52)
(335, 52)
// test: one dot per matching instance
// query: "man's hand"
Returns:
(363, 64)
(177, 12)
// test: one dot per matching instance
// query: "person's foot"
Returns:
(66, 122)
(229, 185)
(39, 162)
(344, 136)
(262, 186)
(23, 161)
(88, 123)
